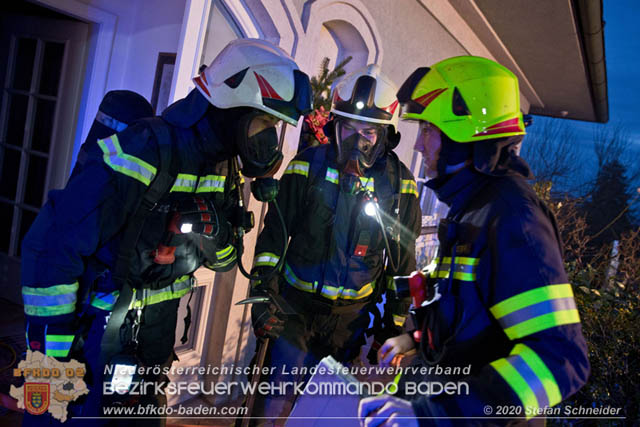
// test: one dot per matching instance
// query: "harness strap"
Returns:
(160, 185)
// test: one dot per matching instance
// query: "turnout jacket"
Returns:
(506, 309)
(69, 253)
(335, 254)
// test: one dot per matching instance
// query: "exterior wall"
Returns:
(143, 29)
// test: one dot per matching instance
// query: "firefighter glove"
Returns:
(266, 320)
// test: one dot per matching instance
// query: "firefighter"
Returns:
(347, 205)
(73, 281)
(498, 301)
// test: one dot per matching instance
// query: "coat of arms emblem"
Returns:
(36, 398)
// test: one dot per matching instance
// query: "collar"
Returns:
(457, 190)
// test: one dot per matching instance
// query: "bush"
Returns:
(607, 293)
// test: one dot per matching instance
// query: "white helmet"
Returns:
(367, 95)
(255, 73)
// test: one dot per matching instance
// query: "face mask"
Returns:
(259, 152)
(358, 151)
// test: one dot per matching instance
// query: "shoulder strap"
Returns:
(160, 185)
(318, 162)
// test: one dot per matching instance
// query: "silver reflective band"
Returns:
(110, 122)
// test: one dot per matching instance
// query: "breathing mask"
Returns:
(257, 142)
(359, 145)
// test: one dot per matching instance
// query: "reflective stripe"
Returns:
(110, 122)
(363, 292)
(178, 289)
(367, 183)
(409, 186)
(529, 378)
(185, 183)
(124, 163)
(464, 268)
(224, 252)
(399, 320)
(58, 345)
(391, 284)
(104, 300)
(50, 301)
(332, 175)
(291, 278)
(299, 167)
(267, 259)
(211, 184)
(225, 262)
(330, 292)
(536, 310)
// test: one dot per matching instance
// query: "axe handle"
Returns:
(262, 352)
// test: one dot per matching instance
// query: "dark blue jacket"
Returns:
(69, 252)
(507, 309)
(336, 250)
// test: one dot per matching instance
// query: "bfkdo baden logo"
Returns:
(49, 385)
(36, 397)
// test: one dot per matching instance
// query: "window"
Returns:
(30, 96)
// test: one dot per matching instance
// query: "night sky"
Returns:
(622, 51)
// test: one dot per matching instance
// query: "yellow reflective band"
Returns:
(540, 323)
(367, 183)
(51, 290)
(391, 284)
(461, 260)
(531, 297)
(517, 383)
(184, 183)
(297, 283)
(266, 259)
(178, 289)
(536, 310)
(329, 292)
(211, 184)
(350, 294)
(332, 175)
(104, 301)
(542, 372)
(299, 167)
(409, 186)
(399, 320)
(224, 252)
(124, 163)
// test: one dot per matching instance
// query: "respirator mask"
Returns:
(359, 145)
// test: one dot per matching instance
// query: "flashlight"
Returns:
(186, 228)
(370, 208)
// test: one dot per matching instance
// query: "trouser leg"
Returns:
(91, 330)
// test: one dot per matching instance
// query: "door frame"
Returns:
(101, 38)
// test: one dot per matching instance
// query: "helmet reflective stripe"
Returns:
(255, 73)
(467, 97)
(367, 95)
(110, 122)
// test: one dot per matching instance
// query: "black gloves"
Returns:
(198, 220)
(198, 215)
(265, 320)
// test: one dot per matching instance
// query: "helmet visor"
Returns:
(258, 144)
(300, 104)
(359, 141)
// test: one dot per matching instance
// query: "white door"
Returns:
(42, 61)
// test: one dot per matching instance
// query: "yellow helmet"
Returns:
(467, 97)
